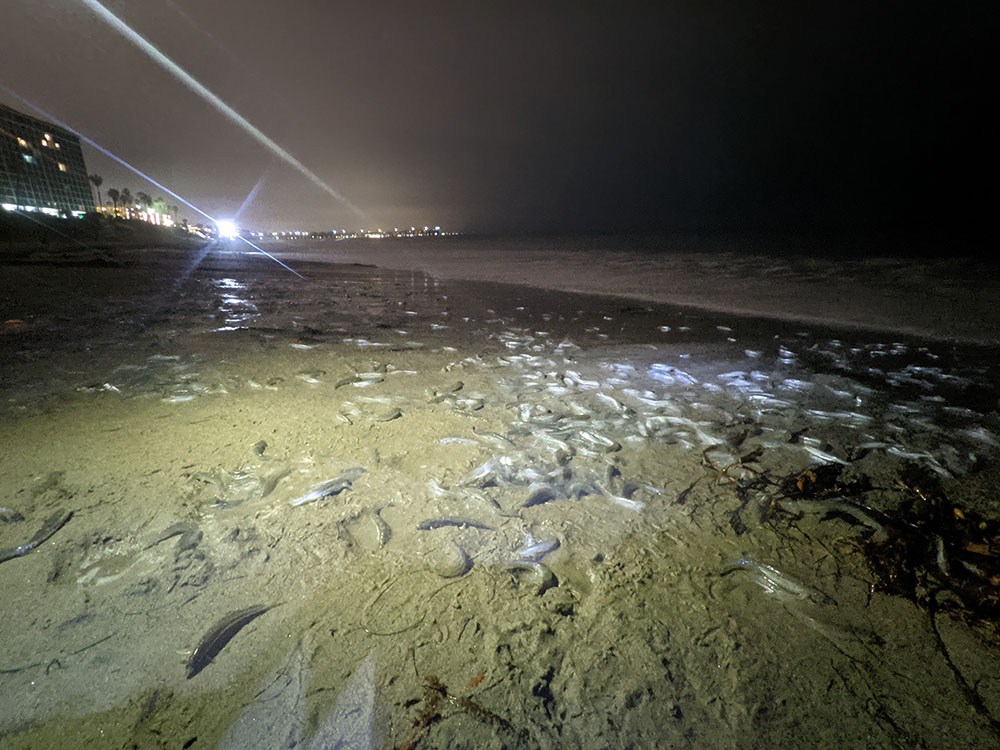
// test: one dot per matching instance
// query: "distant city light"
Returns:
(227, 229)
(376, 233)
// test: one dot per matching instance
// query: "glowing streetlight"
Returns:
(227, 229)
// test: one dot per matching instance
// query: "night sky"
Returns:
(534, 116)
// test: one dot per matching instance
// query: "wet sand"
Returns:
(949, 298)
(592, 569)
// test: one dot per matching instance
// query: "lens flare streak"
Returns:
(197, 87)
(99, 147)
(264, 252)
(139, 172)
(250, 196)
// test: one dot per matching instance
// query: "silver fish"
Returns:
(330, 487)
(778, 584)
(534, 551)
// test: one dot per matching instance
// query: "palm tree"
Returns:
(160, 208)
(97, 180)
(145, 201)
(128, 202)
(114, 195)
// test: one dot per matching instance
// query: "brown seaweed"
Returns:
(436, 694)
(936, 554)
(821, 482)
(221, 633)
(934, 546)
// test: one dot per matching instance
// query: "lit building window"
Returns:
(62, 167)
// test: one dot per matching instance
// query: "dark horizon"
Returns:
(551, 117)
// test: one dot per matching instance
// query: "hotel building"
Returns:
(41, 167)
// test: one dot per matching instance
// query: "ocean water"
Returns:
(409, 501)
(948, 295)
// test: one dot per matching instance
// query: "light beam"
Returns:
(143, 175)
(194, 85)
(265, 252)
(250, 196)
(99, 147)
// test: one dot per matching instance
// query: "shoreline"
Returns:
(881, 295)
(940, 300)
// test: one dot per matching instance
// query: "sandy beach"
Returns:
(387, 506)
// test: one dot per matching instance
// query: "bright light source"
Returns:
(227, 229)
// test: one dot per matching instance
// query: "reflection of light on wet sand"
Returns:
(238, 310)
